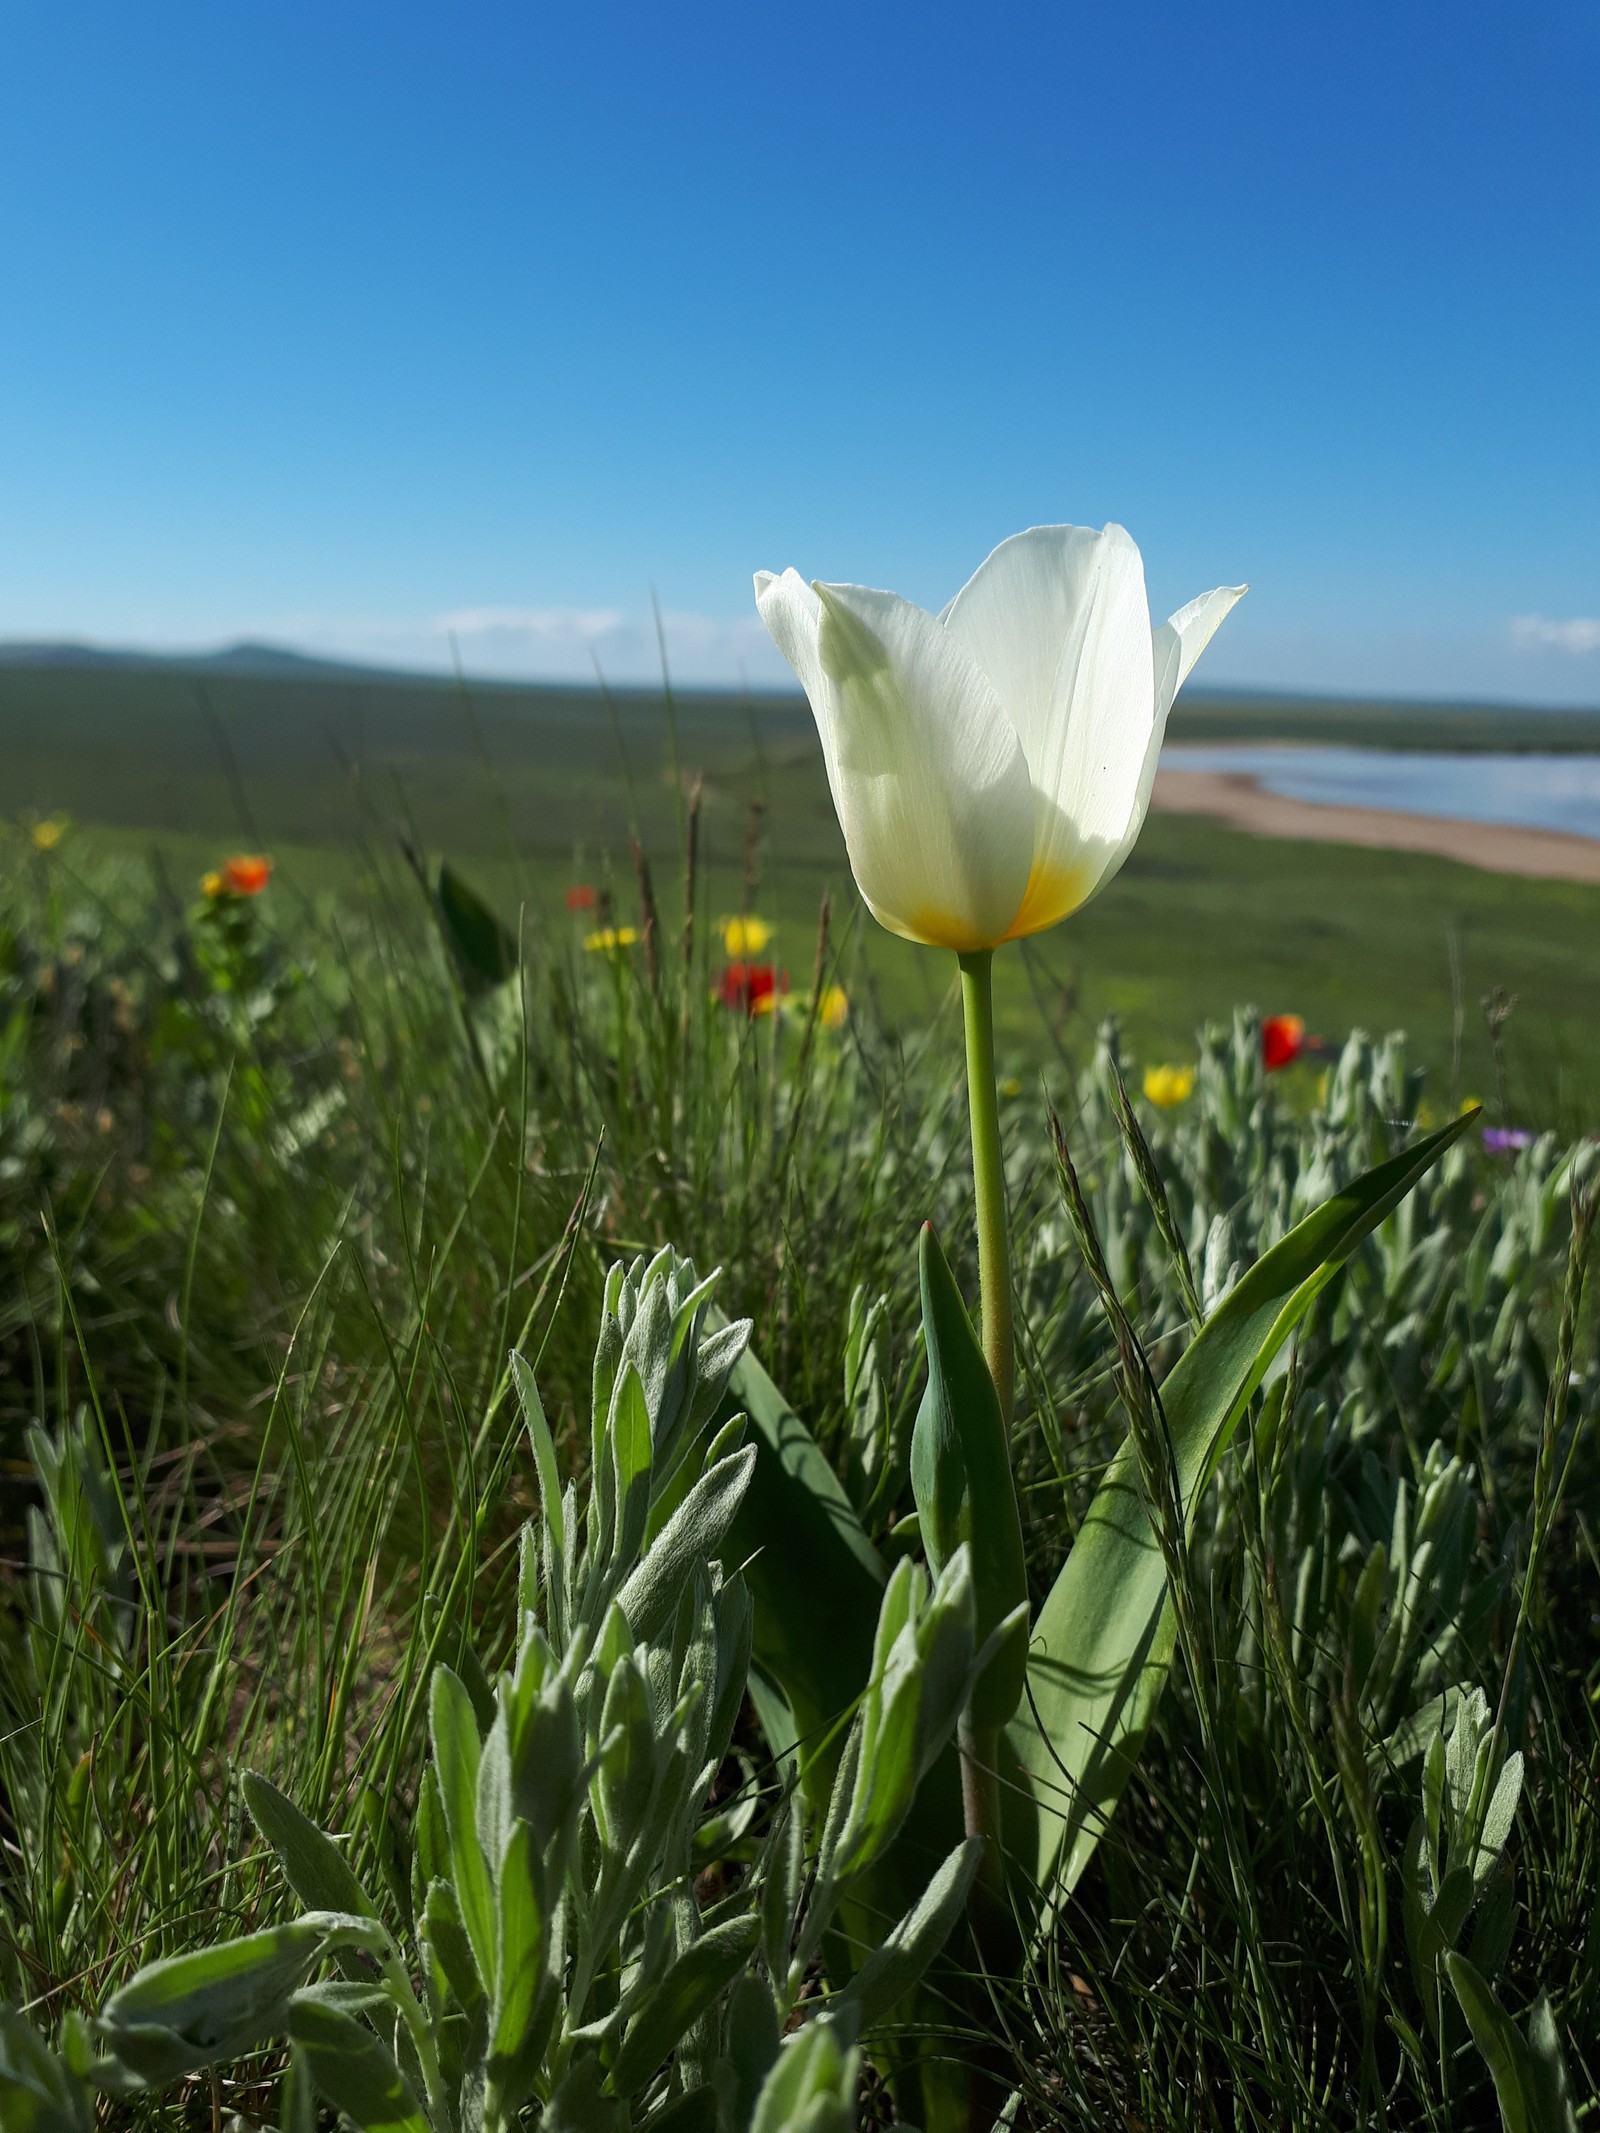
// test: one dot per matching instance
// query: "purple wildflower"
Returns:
(1506, 1140)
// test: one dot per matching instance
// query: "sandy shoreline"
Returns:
(1232, 798)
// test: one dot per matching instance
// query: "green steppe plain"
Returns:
(527, 790)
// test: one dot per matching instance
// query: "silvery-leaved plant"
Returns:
(548, 1950)
(1457, 1874)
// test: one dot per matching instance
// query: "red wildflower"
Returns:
(1283, 1039)
(580, 897)
(751, 986)
(247, 874)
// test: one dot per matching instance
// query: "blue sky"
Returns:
(350, 325)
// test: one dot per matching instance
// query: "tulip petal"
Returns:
(1183, 637)
(1016, 612)
(1176, 646)
(1058, 620)
(927, 773)
(793, 615)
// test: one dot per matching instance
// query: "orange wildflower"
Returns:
(246, 874)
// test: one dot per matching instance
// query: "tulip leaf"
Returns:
(1104, 1637)
(485, 952)
(814, 1576)
(960, 1450)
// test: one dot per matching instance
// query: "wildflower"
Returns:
(246, 874)
(991, 765)
(1283, 1039)
(833, 1007)
(1506, 1140)
(752, 987)
(744, 936)
(580, 897)
(610, 937)
(48, 833)
(1165, 1086)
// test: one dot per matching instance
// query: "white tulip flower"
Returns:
(991, 765)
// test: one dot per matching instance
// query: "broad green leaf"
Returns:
(1493, 1922)
(627, 1771)
(1530, 2075)
(430, 1837)
(1499, 1816)
(38, 2093)
(693, 2112)
(670, 2009)
(961, 1438)
(752, 2042)
(546, 1746)
(695, 1533)
(1547, 2072)
(354, 2069)
(631, 1451)
(891, 1970)
(457, 1754)
(485, 952)
(447, 1939)
(812, 2089)
(579, 2104)
(1433, 1917)
(313, 1864)
(177, 2016)
(1104, 1637)
(814, 1576)
(516, 2031)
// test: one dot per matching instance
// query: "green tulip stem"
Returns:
(988, 1174)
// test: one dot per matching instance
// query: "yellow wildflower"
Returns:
(1165, 1086)
(212, 884)
(48, 833)
(744, 936)
(833, 1008)
(610, 937)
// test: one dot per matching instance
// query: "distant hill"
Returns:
(242, 658)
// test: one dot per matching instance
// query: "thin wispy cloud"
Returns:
(1537, 633)
(549, 643)
(590, 623)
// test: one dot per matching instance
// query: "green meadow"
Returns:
(530, 790)
(461, 1673)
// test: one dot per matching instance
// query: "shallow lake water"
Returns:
(1555, 792)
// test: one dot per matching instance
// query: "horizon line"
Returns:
(260, 658)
